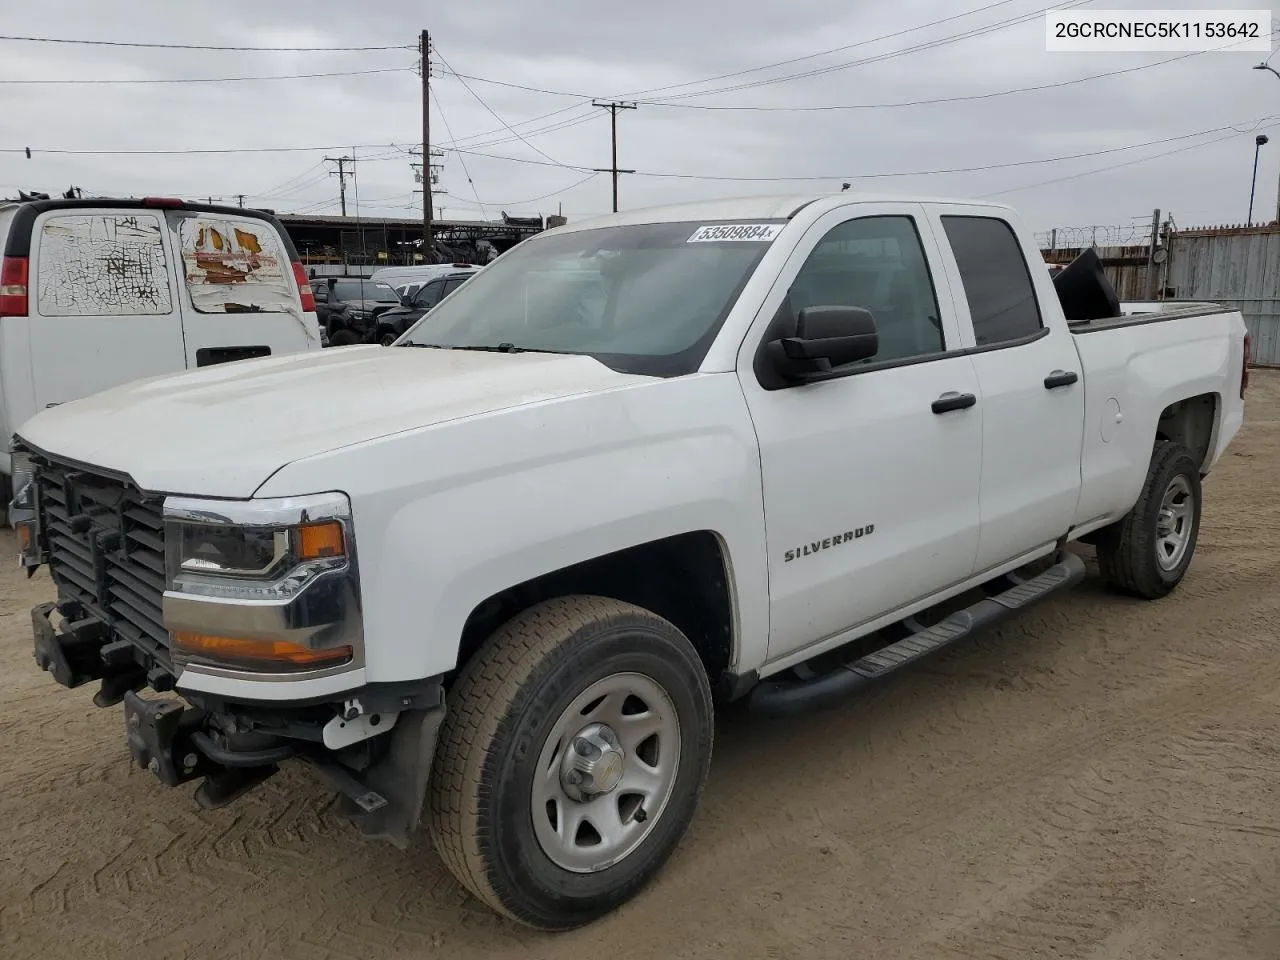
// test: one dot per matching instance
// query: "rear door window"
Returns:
(235, 265)
(997, 283)
(103, 265)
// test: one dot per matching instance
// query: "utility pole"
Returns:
(342, 173)
(1151, 254)
(240, 200)
(613, 106)
(424, 63)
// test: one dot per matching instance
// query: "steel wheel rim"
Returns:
(1175, 522)
(586, 834)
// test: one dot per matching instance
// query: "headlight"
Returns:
(262, 585)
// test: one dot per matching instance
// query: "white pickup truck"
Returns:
(496, 575)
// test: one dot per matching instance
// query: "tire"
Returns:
(387, 337)
(1135, 554)
(521, 688)
(343, 338)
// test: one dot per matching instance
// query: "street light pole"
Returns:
(1258, 142)
(1267, 66)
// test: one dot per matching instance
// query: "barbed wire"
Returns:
(1095, 235)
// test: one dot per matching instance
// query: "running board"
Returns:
(779, 698)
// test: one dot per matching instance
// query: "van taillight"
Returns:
(304, 288)
(1244, 365)
(13, 287)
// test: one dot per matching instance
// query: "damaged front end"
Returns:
(248, 610)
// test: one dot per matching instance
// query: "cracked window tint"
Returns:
(103, 265)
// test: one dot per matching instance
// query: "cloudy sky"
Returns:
(663, 54)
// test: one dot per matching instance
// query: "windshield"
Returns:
(352, 290)
(647, 298)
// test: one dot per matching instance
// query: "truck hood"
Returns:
(223, 430)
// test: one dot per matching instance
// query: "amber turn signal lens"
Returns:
(259, 654)
(316, 541)
(24, 538)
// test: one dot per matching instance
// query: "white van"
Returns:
(409, 280)
(97, 293)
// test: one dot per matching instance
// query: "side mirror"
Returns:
(825, 338)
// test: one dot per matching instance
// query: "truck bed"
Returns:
(1149, 311)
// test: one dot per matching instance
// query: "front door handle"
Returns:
(1060, 378)
(954, 401)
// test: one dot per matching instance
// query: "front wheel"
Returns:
(1148, 552)
(571, 760)
(343, 338)
(387, 338)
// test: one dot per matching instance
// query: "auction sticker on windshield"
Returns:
(759, 232)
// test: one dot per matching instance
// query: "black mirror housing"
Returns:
(825, 338)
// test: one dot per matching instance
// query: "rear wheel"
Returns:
(571, 760)
(1148, 552)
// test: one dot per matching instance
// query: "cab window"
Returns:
(876, 263)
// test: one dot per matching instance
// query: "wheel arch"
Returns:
(1193, 423)
(686, 579)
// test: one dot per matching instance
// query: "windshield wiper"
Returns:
(503, 347)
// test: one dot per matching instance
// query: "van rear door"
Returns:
(239, 297)
(103, 303)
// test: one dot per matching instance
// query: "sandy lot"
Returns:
(1100, 779)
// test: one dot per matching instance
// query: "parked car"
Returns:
(349, 307)
(420, 273)
(99, 292)
(399, 319)
(770, 449)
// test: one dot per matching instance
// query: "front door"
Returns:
(870, 496)
(1032, 391)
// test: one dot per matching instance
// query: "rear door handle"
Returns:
(1060, 378)
(954, 401)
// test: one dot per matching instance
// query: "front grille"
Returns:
(106, 551)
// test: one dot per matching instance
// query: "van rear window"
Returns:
(235, 265)
(102, 265)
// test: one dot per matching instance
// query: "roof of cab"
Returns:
(768, 207)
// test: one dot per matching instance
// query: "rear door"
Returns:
(103, 301)
(238, 295)
(1032, 391)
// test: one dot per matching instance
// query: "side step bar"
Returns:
(780, 698)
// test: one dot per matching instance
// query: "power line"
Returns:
(643, 96)
(184, 151)
(290, 76)
(495, 116)
(426, 160)
(880, 58)
(917, 103)
(198, 46)
(1230, 130)
(1115, 166)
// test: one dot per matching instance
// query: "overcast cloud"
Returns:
(604, 50)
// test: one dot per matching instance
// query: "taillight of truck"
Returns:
(13, 287)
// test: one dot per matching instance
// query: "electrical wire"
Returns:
(494, 114)
(426, 159)
(644, 96)
(290, 76)
(197, 46)
(545, 196)
(1250, 126)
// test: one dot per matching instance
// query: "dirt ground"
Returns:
(1100, 779)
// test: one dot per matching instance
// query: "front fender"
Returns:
(448, 516)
